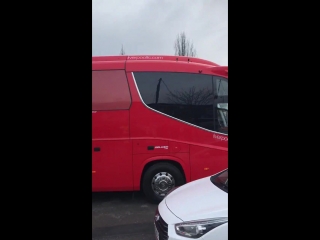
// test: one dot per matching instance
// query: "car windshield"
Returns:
(221, 180)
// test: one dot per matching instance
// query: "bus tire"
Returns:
(159, 179)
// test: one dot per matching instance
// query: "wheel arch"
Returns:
(175, 163)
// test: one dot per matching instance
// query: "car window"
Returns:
(221, 180)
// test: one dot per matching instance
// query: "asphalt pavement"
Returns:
(122, 216)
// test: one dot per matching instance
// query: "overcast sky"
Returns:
(151, 27)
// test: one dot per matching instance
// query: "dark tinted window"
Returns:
(221, 180)
(198, 99)
(188, 97)
(110, 90)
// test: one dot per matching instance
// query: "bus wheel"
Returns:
(159, 179)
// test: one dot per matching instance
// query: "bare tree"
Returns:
(122, 52)
(183, 47)
(191, 97)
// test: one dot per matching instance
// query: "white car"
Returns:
(196, 210)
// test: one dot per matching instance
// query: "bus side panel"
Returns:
(111, 152)
(208, 149)
(146, 129)
(111, 144)
(206, 161)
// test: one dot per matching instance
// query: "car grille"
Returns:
(162, 227)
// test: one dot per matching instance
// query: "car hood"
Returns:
(199, 199)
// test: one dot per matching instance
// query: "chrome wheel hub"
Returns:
(162, 183)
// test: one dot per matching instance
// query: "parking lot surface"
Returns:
(122, 216)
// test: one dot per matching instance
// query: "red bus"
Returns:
(157, 122)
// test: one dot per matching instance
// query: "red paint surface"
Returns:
(107, 98)
(124, 135)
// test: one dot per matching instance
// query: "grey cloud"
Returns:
(151, 27)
